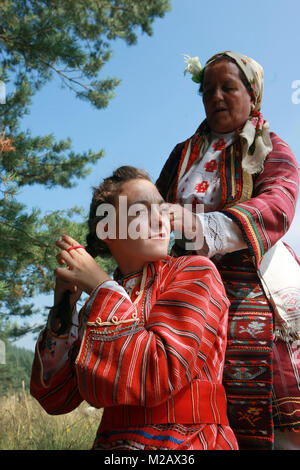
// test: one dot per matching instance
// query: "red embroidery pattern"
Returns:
(211, 166)
(219, 145)
(201, 187)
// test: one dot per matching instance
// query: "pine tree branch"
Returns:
(44, 245)
(64, 76)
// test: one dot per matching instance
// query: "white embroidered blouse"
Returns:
(202, 185)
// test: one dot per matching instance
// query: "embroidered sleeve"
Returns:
(266, 217)
(221, 234)
(53, 367)
(53, 379)
(54, 349)
(133, 356)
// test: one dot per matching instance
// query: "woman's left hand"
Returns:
(82, 270)
(186, 224)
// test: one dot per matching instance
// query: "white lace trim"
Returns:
(221, 234)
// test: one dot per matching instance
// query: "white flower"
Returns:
(193, 65)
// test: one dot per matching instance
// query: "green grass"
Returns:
(24, 425)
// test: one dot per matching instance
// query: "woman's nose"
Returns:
(156, 217)
(218, 94)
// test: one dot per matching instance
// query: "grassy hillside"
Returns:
(24, 425)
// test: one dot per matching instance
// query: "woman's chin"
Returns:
(222, 128)
(156, 254)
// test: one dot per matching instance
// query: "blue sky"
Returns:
(156, 106)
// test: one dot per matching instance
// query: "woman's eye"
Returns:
(137, 210)
(229, 87)
(140, 212)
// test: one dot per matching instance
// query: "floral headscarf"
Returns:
(254, 136)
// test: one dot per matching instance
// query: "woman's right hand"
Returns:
(81, 270)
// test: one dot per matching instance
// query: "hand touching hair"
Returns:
(106, 193)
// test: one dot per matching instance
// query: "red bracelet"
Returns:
(74, 247)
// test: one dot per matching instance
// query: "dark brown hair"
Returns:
(107, 192)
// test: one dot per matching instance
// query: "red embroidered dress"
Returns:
(153, 360)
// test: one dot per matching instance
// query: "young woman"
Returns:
(147, 346)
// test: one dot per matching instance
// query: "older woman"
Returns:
(246, 178)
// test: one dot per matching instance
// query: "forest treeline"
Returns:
(15, 372)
